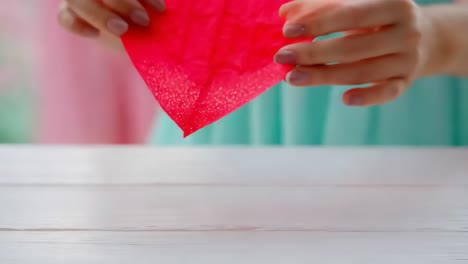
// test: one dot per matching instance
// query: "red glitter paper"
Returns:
(203, 59)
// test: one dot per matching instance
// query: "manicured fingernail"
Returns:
(140, 17)
(117, 26)
(355, 100)
(293, 30)
(297, 78)
(285, 57)
(158, 4)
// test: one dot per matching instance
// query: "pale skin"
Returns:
(105, 20)
(386, 43)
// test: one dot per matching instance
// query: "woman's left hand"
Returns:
(386, 43)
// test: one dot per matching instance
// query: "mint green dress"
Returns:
(434, 111)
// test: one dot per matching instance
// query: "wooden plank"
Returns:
(339, 208)
(232, 247)
(264, 166)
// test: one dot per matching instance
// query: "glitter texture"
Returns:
(203, 59)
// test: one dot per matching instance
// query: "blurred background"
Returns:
(56, 88)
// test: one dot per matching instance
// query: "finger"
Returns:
(74, 24)
(131, 9)
(159, 5)
(344, 16)
(297, 8)
(362, 72)
(99, 16)
(345, 49)
(375, 95)
(294, 11)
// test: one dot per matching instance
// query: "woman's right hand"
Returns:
(108, 19)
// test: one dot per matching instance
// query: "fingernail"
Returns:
(140, 17)
(393, 92)
(117, 26)
(293, 30)
(355, 100)
(285, 57)
(158, 4)
(297, 78)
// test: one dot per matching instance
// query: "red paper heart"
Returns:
(203, 59)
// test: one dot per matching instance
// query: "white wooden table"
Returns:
(142, 205)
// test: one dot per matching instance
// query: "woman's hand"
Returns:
(386, 43)
(106, 18)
